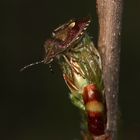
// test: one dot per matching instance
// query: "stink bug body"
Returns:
(65, 37)
(82, 71)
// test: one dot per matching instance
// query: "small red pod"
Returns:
(91, 93)
(95, 108)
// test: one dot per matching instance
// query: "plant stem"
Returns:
(109, 14)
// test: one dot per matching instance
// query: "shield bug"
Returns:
(63, 38)
(82, 70)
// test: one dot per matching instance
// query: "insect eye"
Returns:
(72, 25)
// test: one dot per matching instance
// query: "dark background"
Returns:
(34, 103)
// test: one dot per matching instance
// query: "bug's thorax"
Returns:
(82, 71)
(71, 31)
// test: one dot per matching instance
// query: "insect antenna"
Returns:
(32, 64)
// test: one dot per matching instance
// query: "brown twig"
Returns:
(109, 14)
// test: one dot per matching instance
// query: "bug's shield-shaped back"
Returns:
(65, 37)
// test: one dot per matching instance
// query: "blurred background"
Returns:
(35, 104)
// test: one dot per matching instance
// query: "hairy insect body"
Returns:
(82, 71)
(64, 38)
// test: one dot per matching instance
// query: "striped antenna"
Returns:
(32, 64)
